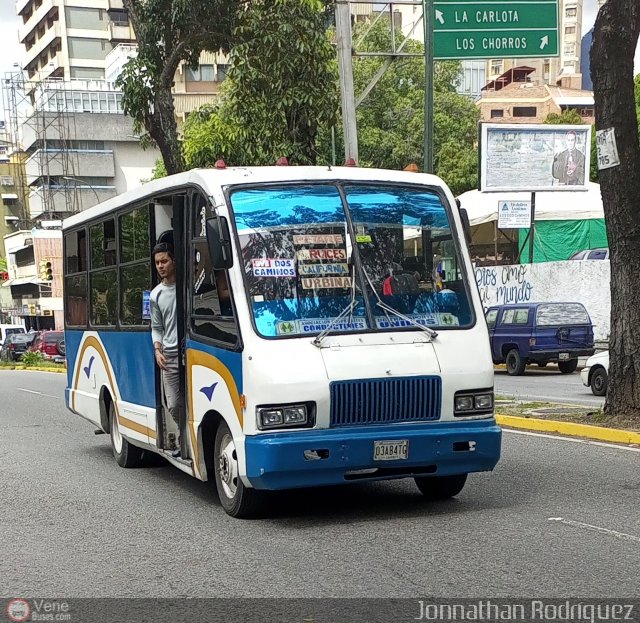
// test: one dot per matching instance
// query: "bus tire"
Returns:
(126, 454)
(236, 499)
(440, 487)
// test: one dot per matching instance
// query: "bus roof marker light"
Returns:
(282, 162)
(220, 164)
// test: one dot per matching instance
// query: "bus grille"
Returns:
(385, 401)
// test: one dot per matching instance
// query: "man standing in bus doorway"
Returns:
(164, 332)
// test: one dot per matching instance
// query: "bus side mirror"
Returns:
(466, 225)
(219, 240)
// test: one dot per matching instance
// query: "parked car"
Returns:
(49, 343)
(591, 254)
(8, 329)
(595, 374)
(540, 333)
(15, 346)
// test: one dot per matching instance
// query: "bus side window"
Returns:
(211, 307)
(76, 293)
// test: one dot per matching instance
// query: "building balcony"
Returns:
(21, 5)
(66, 201)
(41, 45)
(188, 102)
(121, 32)
(36, 18)
(55, 163)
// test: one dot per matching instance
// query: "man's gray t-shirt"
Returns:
(164, 318)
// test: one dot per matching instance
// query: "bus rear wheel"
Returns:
(125, 454)
(236, 499)
(440, 487)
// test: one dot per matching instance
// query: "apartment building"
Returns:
(13, 198)
(81, 148)
(69, 39)
(516, 97)
(548, 70)
(36, 300)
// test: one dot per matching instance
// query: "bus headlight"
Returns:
(473, 402)
(286, 416)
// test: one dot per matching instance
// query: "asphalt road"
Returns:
(557, 518)
(546, 385)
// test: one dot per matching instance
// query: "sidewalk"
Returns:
(570, 429)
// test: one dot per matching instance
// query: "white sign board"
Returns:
(532, 157)
(607, 149)
(514, 214)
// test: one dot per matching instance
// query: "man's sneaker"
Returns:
(176, 453)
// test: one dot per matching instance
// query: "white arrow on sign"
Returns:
(439, 16)
(544, 42)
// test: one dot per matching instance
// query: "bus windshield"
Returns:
(308, 255)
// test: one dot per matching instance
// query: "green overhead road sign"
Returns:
(495, 29)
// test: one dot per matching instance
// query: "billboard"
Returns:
(532, 157)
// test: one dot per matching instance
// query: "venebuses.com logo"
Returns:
(18, 610)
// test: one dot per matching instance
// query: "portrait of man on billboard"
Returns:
(569, 165)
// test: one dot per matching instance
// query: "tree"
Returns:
(614, 43)
(391, 118)
(281, 89)
(169, 32)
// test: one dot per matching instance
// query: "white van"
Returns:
(8, 329)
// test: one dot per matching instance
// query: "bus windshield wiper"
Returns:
(390, 310)
(348, 310)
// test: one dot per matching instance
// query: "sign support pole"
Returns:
(532, 229)
(428, 85)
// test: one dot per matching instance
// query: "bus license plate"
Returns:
(564, 356)
(391, 450)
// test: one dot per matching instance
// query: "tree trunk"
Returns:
(614, 44)
(164, 131)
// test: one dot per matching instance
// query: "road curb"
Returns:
(35, 369)
(572, 429)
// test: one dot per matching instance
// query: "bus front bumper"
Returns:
(336, 456)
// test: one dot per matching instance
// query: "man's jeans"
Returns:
(173, 399)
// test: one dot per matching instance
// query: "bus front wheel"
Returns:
(236, 499)
(125, 454)
(441, 487)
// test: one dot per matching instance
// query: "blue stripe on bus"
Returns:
(131, 357)
(232, 360)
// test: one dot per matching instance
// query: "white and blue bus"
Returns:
(352, 347)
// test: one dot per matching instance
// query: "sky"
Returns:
(11, 50)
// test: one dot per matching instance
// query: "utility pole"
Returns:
(345, 51)
(428, 85)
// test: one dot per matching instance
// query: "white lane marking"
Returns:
(589, 442)
(587, 526)
(30, 391)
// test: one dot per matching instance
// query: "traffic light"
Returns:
(46, 270)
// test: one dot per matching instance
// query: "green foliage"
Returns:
(391, 118)
(159, 170)
(169, 32)
(281, 89)
(35, 358)
(3, 264)
(566, 117)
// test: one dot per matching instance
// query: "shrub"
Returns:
(32, 359)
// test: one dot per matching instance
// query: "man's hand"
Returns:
(161, 359)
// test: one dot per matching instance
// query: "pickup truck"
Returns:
(539, 333)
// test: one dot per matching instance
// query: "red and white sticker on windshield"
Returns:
(322, 254)
(274, 267)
